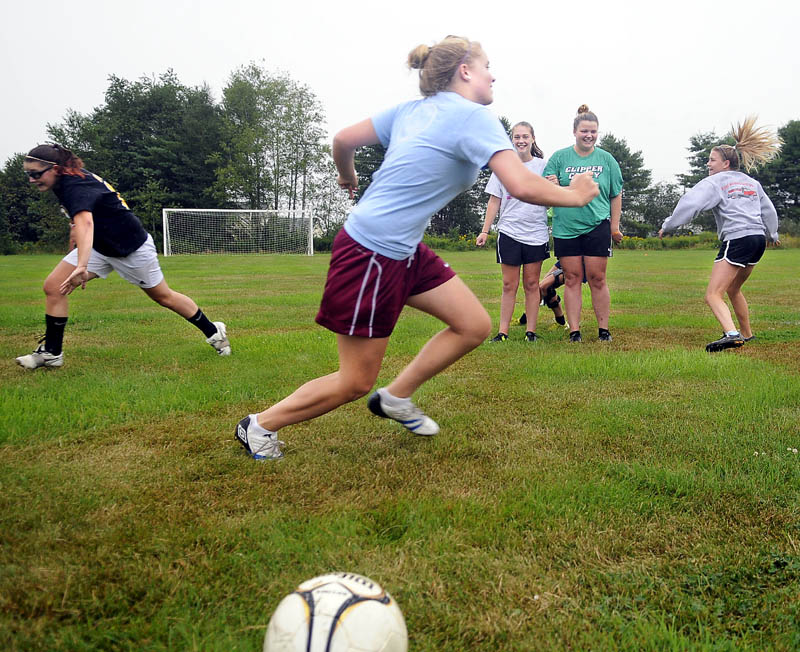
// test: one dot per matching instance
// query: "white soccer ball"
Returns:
(339, 612)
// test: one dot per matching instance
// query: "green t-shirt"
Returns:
(565, 164)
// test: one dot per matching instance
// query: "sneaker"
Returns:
(41, 358)
(725, 342)
(219, 340)
(408, 415)
(259, 447)
(500, 337)
(523, 318)
(530, 336)
(575, 336)
(603, 335)
(747, 339)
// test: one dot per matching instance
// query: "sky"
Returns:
(655, 73)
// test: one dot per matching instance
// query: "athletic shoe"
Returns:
(408, 415)
(604, 336)
(530, 336)
(259, 447)
(40, 358)
(747, 339)
(561, 321)
(219, 340)
(725, 342)
(575, 336)
(500, 337)
(523, 318)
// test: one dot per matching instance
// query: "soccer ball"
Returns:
(339, 612)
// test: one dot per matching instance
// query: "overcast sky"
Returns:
(655, 73)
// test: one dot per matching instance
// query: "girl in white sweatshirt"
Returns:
(745, 218)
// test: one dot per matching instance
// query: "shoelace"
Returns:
(271, 447)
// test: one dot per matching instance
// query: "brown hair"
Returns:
(534, 147)
(64, 160)
(584, 114)
(754, 145)
(438, 64)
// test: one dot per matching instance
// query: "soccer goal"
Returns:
(220, 231)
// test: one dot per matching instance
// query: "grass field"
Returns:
(637, 495)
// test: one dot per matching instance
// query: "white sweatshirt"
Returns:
(739, 204)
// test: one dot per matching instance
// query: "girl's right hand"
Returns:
(481, 240)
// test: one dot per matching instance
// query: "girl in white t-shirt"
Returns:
(523, 239)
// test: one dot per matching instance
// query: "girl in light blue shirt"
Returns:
(435, 148)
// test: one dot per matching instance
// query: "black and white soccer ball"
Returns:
(339, 612)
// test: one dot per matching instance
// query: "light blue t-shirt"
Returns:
(435, 148)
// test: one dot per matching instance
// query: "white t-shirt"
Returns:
(436, 146)
(526, 223)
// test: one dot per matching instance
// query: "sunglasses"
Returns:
(37, 174)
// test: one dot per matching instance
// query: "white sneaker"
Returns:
(408, 414)
(219, 340)
(41, 358)
(259, 447)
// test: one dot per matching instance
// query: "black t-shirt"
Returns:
(117, 231)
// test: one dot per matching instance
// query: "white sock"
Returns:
(258, 430)
(392, 400)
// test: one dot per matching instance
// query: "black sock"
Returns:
(54, 333)
(561, 320)
(202, 322)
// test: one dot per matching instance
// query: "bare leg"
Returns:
(738, 301)
(573, 277)
(723, 276)
(468, 324)
(601, 298)
(57, 304)
(509, 296)
(165, 296)
(530, 283)
(360, 361)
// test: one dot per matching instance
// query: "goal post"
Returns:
(236, 231)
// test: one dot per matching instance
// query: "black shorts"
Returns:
(742, 251)
(595, 243)
(511, 252)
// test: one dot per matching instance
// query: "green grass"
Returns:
(578, 497)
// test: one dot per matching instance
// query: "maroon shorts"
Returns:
(365, 292)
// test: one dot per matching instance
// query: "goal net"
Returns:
(220, 231)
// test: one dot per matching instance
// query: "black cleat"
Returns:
(725, 342)
(603, 335)
(575, 336)
(530, 336)
(500, 337)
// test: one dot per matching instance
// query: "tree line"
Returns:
(165, 144)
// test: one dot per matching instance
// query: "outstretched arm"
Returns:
(700, 198)
(345, 143)
(526, 186)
